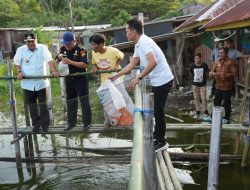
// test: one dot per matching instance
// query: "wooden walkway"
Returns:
(97, 128)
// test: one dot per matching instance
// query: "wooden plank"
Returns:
(98, 129)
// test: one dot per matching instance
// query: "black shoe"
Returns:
(161, 146)
(156, 141)
(211, 96)
(68, 128)
(35, 129)
(86, 127)
(45, 129)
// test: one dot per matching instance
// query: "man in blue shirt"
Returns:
(32, 59)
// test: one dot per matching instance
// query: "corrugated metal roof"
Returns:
(238, 12)
(192, 20)
(163, 37)
(173, 19)
(210, 12)
(57, 28)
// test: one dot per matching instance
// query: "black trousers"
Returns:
(78, 87)
(160, 98)
(224, 95)
(213, 87)
(39, 111)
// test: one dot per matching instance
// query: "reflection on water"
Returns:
(63, 174)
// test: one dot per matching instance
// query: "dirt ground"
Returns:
(181, 100)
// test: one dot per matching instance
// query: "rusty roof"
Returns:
(208, 13)
(192, 20)
(237, 13)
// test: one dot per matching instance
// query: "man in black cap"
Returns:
(32, 60)
(76, 59)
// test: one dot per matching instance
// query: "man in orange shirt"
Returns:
(224, 71)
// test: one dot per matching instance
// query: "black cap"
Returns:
(30, 36)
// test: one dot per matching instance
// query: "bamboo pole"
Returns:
(98, 129)
(31, 154)
(242, 114)
(214, 153)
(174, 118)
(14, 122)
(103, 151)
(49, 99)
(176, 156)
(136, 178)
(164, 171)
(150, 182)
(176, 183)
(244, 103)
(159, 175)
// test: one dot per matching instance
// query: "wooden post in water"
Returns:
(242, 114)
(214, 153)
(14, 119)
(150, 182)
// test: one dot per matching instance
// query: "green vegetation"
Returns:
(34, 13)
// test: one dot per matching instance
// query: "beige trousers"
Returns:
(200, 98)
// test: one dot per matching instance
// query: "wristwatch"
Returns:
(139, 77)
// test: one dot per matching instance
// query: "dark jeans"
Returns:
(160, 98)
(213, 88)
(78, 87)
(39, 111)
(224, 95)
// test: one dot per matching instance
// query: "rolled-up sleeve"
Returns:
(18, 58)
(47, 55)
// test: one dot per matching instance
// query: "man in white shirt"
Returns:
(32, 60)
(151, 57)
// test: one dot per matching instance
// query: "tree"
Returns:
(121, 19)
(9, 11)
(34, 13)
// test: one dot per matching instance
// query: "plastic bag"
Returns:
(63, 69)
(116, 96)
(116, 103)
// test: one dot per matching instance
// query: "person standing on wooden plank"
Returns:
(224, 71)
(149, 55)
(76, 58)
(31, 60)
(199, 72)
(104, 58)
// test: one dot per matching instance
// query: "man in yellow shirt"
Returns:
(104, 58)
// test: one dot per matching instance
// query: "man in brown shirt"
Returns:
(224, 71)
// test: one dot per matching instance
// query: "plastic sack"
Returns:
(116, 96)
(116, 103)
(63, 69)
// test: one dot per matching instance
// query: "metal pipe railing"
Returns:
(50, 76)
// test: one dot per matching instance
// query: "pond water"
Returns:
(70, 173)
(65, 168)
